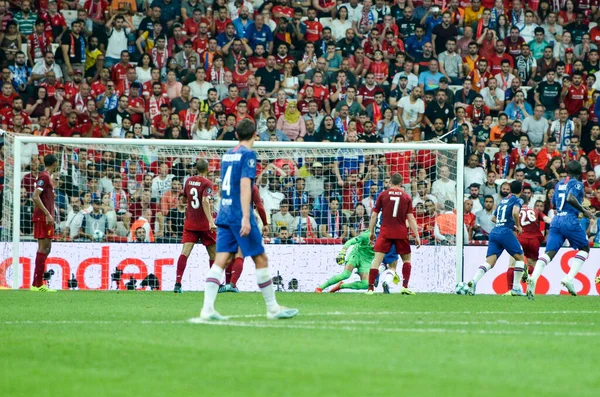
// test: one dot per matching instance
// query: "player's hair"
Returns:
(516, 187)
(202, 166)
(50, 160)
(396, 179)
(245, 130)
(574, 169)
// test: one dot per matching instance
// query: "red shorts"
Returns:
(531, 247)
(384, 245)
(193, 236)
(41, 230)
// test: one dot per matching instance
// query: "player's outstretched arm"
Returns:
(412, 222)
(571, 199)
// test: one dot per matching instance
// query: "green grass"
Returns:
(136, 343)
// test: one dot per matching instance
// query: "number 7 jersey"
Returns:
(561, 193)
(196, 188)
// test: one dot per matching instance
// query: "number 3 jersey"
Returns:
(504, 212)
(239, 162)
(564, 210)
(196, 188)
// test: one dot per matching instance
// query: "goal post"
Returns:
(193, 149)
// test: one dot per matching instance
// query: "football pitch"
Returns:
(140, 343)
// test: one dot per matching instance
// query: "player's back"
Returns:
(504, 213)
(564, 210)
(530, 222)
(196, 189)
(44, 185)
(394, 205)
(239, 162)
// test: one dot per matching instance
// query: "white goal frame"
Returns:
(20, 140)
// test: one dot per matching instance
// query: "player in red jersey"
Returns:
(43, 221)
(574, 94)
(199, 224)
(531, 238)
(234, 270)
(396, 209)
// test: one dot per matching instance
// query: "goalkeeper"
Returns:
(360, 258)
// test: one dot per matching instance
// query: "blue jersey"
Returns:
(236, 164)
(561, 193)
(504, 211)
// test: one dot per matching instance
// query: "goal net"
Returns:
(119, 221)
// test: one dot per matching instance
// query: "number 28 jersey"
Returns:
(239, 162)
(504, 212)
(196, 188)
(561, 193)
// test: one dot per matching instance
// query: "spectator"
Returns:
(94, 222)
(444, 189)
(332, 223)
(304, 225)
(484, 220)
(474, 173)
(175, 220)
(283, 218)
(291, 122)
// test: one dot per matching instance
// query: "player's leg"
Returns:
(406, 270)
(344, 275)
(44, 248)
(495, 249)
(555, 241)
(578, 240)
(358, 285)
(388, 276)
(382, 246)
(182, 264)
(237, 267)
(227, 246)
(518, 271)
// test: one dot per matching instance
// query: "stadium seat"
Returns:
(24, 49)
(455, 88)
(137, 19)
(325, 21)
(491, 151)
(70, 16)
(592, 25)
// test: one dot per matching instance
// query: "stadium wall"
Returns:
(433, 267)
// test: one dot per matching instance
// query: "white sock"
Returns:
(481, 271)
(519, 269)
(388, 277)
(382, 268)
(265, 283)
(576, 264)
(211, 288)
(541, 263)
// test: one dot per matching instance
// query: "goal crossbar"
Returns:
(20, 140)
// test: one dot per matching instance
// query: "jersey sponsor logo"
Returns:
(226, 201)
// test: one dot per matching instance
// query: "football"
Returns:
(98, 235)
(462, 288)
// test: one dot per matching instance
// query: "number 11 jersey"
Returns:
(196, 188)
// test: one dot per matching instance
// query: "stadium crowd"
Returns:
(515, 82)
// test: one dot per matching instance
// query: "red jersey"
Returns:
(190, 27)
(313, 31)
(221, 25)
(241, 79)
(188, 119)
(321, 93)
(98, 88)
(229, 106)
(380, 70)
(57, 121)
(9, 115)
(119, 72)
(530, 222)
(280, 61)
(575, 98)
(257, 62)
(594, 157)
(6, 102)
(200, 44)
(71, 90)
(495, 63)
(258, 204)
(368, 94)
(394, 205)
(160, 125)
(44, 185)
(514, 49)
(352, 194)
(590, 188)
(503, 164)
(137, 102)
(399, 162)
(517, 154)
(153, 105)
(196, 189)
(39, 44)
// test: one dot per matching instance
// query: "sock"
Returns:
(336, 279)
(265, 283)
(211, 288)
(530, 269)
(510, 276)
(40, 267)
(181, 264)
(406, 268)
(210, 263)
(362, 284)
(541, 263)
(576, 264)
(228, 271)
(237, 267)
(388, 276)
(481, 271)
(518, 273)
(373, 273)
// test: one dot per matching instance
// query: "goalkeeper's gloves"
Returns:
(341, 258)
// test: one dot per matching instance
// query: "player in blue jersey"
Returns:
(502, 237)
(237, 228)
(567, 199)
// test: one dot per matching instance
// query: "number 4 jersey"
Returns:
(196, 188)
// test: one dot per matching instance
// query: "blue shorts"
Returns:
(501, 240)
(391, 256)
(229, 239)
(566, 229)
